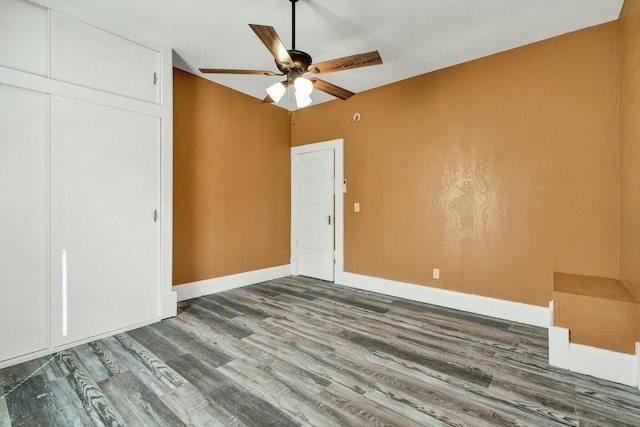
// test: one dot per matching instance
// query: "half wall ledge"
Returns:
(598, 311)
(594, 328)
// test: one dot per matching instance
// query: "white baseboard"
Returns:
(169, 304)
(501, 309)
(638, 364)
(224, 283)
(50, 350)
(559, 347)
(605, 364)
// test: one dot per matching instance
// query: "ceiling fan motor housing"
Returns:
(301, 63)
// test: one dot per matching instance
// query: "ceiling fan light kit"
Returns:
(303, 86)
(302, 100)
(276, 91)
(294, 64)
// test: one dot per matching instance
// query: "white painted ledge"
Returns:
(600, 363)
(501, 309)
(224, 283)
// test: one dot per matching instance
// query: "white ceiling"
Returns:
(413, 36)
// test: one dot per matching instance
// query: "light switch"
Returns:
(356, 207)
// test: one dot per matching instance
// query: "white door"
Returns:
(315, 233)
(23, 36)
(23, 222)
(88, 56)
(105, 168)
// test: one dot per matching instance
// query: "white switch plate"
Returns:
(436, 273)
(356, 207)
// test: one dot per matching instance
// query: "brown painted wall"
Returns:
(498, 171)
(630, 145)
(231, 182)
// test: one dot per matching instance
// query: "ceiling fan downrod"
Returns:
(293, 23)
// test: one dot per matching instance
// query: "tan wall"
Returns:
(630, 145)
(498, 171)
(231, 182)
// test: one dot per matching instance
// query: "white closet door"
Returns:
(23, 36)
(23, 222)
(91, 57)
(105, 239)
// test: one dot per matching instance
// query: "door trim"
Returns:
(338, 148)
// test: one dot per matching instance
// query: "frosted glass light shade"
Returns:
(303, 86)
(302, 100)
(276, 91)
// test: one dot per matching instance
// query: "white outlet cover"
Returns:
(436, 273)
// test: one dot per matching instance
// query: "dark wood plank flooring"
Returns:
(299, 351)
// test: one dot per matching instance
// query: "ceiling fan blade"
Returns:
(331, 89)
(252, 72)
(270, 38)
(347, 63)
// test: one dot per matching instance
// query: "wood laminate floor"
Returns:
(299, 351)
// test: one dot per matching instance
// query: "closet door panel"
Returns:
(105, 237)
(23, 36)
(91, 57)
(23, 222)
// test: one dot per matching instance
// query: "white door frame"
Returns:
(338, 148)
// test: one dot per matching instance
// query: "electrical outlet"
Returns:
(436, 273)
(356, 207)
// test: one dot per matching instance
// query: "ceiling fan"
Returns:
(293, 64)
